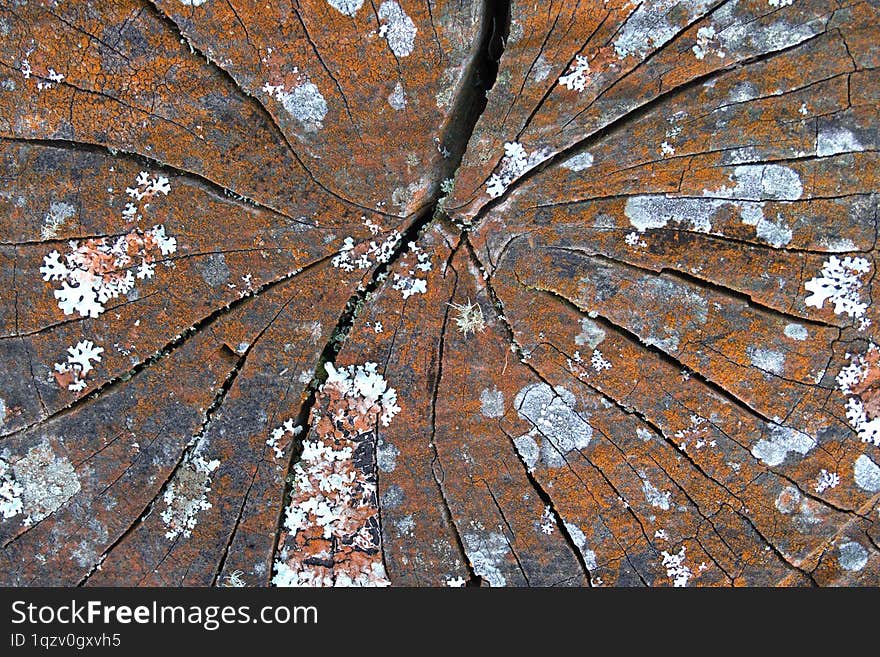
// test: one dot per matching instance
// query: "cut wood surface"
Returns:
(335, 292)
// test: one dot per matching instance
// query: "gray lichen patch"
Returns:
(796, 332)
(386, 456)
(47, 481)
(654, 496)
(591, 334)
(487, 554)
(781, 441)
(557, 424)
(768, 360)
(397, 98)
(866, 474)
(655, 23)
(305, 104)
(580, 540)
(213, 269)
(59, 213)
(347, 7)
(186, 496)
(397, 28)
(492, 402)
(578, 162)
(761, 182)
(657, 211)
(833, 140)
(852, 556)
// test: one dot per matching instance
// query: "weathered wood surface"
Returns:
(323, 293)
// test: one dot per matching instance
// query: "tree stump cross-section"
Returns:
(401, 292)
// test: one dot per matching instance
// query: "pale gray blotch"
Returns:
(580, 540)
(386, 456)
(578, 162)
(492, 402)
(552, 413)
(213, 269)
(392, 497)
(347, 7)
(305, 104)
(654, 496)
(796, 332)
(867, 474)
(657, 210)
(767, 360)
(591, 334)
(48, 481)
(528, 450)
(398, 29)
(781, 440)
(836, 139)
(852, 556)
(397, 98)
(487, 554)
(404, 525)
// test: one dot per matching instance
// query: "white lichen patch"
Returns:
(650, 27)
(514, 163)
(331, 522)
(547, 524)
(866, 428)
(796, 332)
(833, 140)
(492, 402)
(850, 381)
(364, 256)
(73, 372)
(278, 434)
(10, 492)
(58, 214)
(578, 162)
(598, 362)
(95, 271)
(707, 43)
(654, 496)
(347, 7)
(781, 441)
(866, 474)
(305, 104)
(852, 556)
(186, 496)
(657, 211)
(826, 480)
(591, 335)
(40, 484)
(487, 554)
(580, 540)
(555, 421)
(676, 569)
(397, 98)
(768, 360)
(409, 286)
(578, 76)
(415, 263)
(839, 282)
(761, 182)
(397, 28)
